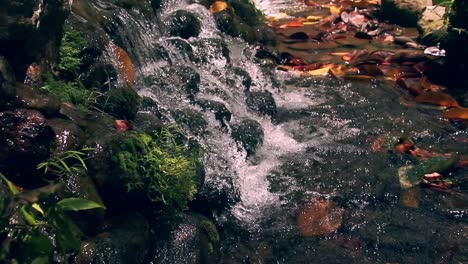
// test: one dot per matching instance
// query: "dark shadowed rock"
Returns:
(68, 135)
(7, 80)
(183, 24)
(249, 134)
(192, 120)
(262, 103)
(126, 240)
(189, 238)
(33, 98)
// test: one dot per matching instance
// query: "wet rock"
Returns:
(190, 80)
(183, 24)
(244, 76)
(147, 123)
(68, 135)
(192, 120)
(262, 103)
(25, 139)
(122, 103)
(125, 241)
(32, 98)
(7, 80)
(265, 35)
(432, 26)
(183, 46)
(218, 194)
(150, 106)
(404, 12)
(249, 134)
(208, 49)
(190, 238)
(228, 22)
(33, 27)
(220, 111)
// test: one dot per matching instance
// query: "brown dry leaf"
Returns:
(218, 6)
(410, 198)
(437, 98)
(337, 71)
(319, 218)
(362, 4)
(124, 63)
(310, 3)
(456, 113)
(323, 71)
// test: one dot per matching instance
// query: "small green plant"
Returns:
(66, 163)
(160, 166)
(38, 232)
(70, 49)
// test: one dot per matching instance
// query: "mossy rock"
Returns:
(403, 12)
(122, 103)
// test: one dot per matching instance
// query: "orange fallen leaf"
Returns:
(359, 77)
(294, 23)
(456, 113)
(319, 218)
(410, 198)
(337, 71)
(437, 98)
(122, 125)
(313, 18)
(218, 6)
(124, 63)
(340, 53)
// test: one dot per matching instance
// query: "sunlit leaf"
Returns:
(314, 18)
(321, 71)
(293, 23)
(218, 6)
(30, 219)
(335, 10)
(38, 208)
(456, 113)
(10, 185)
(77, 204)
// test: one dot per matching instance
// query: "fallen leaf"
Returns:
(313, 18)
(122, 125)
(293, 23)
(321, 71)
(410, 198)
(218, 6)
(437, 98)
(124, 63)
(335, 10)
(319, 218)
(456, 114)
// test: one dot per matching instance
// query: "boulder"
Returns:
(432, 26)
(7, 80)
(183, 24)
(68, 135)
(25, 140)
(404, 12)
(221, 112)
(33, 98)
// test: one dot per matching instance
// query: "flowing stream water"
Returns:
(318, 144)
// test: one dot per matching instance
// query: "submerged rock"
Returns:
(249, 134)
(192, 120)
(404, 12)
(183, 24)
(220, 111)
(432, 26)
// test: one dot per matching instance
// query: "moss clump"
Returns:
(73, 92)
(160, 166)
(122, 103)
(247, 11)
(210, 230)
(433, 165)
(70, 50)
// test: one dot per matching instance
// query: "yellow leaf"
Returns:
(218, 6)
(335, 10)
(310, 23)
(38, 208)
(320, 72)
(314, 18)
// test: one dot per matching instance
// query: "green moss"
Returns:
(70, 49)
(158, 165)
(73, 92)
(122, 103)
(433, 165)
(247, 11)
(210, 230)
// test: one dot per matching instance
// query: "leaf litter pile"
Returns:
(345, 40)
